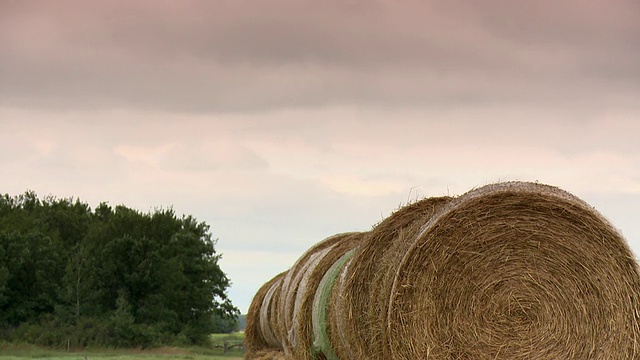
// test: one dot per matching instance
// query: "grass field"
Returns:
(27, 352)
(92, 356)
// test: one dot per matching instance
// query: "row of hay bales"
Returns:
(512, 270)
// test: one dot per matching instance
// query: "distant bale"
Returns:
(301, 335)
(269, 316)
(330, 336)
(290, 284)
(271, 313)
(259, 336)
(516, 271)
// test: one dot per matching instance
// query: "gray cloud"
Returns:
(199, 56)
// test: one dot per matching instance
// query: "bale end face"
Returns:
(516, 271)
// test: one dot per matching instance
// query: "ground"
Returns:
(29, 352)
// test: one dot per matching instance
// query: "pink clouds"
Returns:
(220, 56)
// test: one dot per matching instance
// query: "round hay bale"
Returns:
(301, 334)
(516, 271)
(289, 288)
(302, 289)
(268, 317)
(254, 338)
(330, 341)
(275, 317)
(369, 277)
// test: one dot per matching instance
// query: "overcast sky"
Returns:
(282, 122)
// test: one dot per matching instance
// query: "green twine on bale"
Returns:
(321, 343)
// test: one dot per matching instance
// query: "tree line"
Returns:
(112, 276)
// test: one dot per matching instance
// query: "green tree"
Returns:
(225, 324)
(145, 278)
(4, 277)
(33, 272)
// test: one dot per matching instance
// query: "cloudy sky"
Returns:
(282, 122)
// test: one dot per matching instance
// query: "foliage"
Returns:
(225, 324)
(110, 277)
(241, 322)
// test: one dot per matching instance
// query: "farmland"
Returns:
(213, 352)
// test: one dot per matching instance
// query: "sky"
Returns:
(282, 122)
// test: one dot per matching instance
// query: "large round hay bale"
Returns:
(370, 275)
(289, 288)
(255, 338)
(301, 335)
(516, 271)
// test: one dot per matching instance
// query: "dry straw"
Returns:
(321, 326)
(275, 319)
(268, 325)
(270, 355)
(290, 285)
(301, 335)
(516, 271)
(255, 338)
(369, 278)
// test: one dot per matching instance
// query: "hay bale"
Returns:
(507, 271)
(515, 271)
(255, 339)
(268, 322)
(289, 288)
(330, 340)
(275, 317)
(370, 275)
(301, 335)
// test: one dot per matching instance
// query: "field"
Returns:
(28, 352)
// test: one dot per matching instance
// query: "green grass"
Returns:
(218, 340)
(116, 355)
(216, 352)
(92, 356)
(233, 337)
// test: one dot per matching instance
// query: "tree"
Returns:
(225, 324)
(147, 278)
(33, 272)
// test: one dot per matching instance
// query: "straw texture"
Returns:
(516, 271)
(370, 275)
(290, 284)
(301, 334)
(255, 338)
